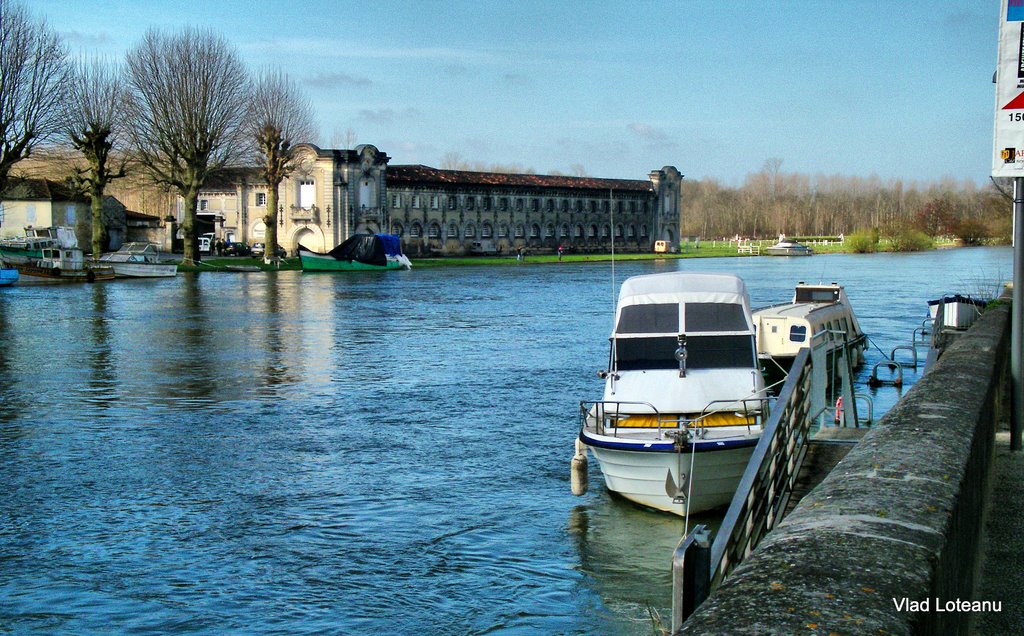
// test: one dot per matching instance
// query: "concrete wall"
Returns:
(899, 518)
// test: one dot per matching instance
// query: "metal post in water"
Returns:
(691, 574)
(1017, 317)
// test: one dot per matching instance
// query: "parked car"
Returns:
(236, 249)
(259, 249)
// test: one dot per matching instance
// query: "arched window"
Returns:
(643, 230)
(579, 231)
(605, 231)
(396, 228)
(618, 230)
(520, 233)
(631, 231)
(565, 205)
(453, 230)
(593, 231)
(453, 201)
(564, 233)
(534, 231)
(434, 231)
(486, 231)
(503, 230)
(470, 230)
(549, 231)
(551, 205)
(416, 230)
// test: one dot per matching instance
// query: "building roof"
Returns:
(425, 175)
(26, 189)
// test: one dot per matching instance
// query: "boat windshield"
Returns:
(702, 352)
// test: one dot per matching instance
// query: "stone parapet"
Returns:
(888, 542)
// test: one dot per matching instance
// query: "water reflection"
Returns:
(340, 454)
(102, 381)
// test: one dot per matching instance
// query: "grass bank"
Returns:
(708, 249)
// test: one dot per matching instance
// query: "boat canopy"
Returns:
(372, 249)
(683, 303)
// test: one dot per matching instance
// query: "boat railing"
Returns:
(756, 407)
(599, 412)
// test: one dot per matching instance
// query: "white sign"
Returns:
(1008, 149)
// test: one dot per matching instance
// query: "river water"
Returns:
(290, 453)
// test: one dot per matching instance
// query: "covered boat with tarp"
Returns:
(359, 252)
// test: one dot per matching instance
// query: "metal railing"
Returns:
(764, 489)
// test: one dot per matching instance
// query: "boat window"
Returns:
(798, 333)
(817, 295)
(655, 318)
(702, 352)
(714, 317)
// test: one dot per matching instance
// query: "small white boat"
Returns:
(786, 247)
(684, 398)
(816, 311)
(958, 311)
(51, 255)
(139, 260)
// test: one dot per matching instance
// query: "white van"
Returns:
(204, 244)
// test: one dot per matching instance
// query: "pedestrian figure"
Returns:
(519, 253)
(559, 253)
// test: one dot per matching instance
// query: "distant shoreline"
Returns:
(707, 250)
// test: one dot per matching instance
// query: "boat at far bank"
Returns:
(684, 400)
(786, 247)
(139, 260)
(51, 255)
(360, 252)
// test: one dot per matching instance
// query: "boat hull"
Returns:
(143, 270)
(787, 251)
(314, 263)
(639, 475)
(8, 276)
(29, 274)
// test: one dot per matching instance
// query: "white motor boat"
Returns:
(684, 398)
(139, 260)
(51, 255)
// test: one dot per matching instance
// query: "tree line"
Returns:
(772, 202)
(179, 108)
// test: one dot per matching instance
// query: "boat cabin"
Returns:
(782, 330)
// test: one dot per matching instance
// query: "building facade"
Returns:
(336, 193)
(41, 203)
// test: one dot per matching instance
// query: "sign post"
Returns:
(1008, 161)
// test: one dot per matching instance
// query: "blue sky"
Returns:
(894, 88)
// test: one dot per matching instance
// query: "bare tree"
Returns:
(280, 115)
(33, 67)
(189, 94)
(96, 93)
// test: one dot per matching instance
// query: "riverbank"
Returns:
(708, 249)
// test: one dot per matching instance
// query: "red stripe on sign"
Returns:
(1017, 103)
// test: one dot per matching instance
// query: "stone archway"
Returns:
(311, 237)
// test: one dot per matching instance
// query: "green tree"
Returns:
(279, 116)
(189, 94)
(33, 69)
(96, 93)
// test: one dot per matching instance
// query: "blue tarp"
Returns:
(392, 244)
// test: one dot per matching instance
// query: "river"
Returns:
(289, 453)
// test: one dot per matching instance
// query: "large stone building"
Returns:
(336, 193)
